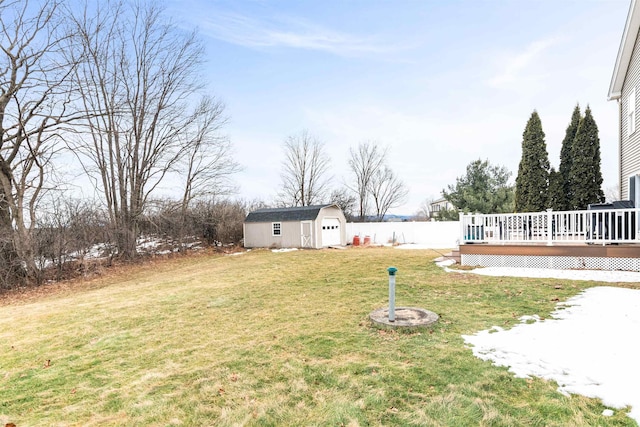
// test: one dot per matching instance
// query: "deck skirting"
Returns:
(591, 257)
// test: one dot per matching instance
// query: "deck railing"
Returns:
(589, 226)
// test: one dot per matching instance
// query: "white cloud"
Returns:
(287, 32)
(524, 66)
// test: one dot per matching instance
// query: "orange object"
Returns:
(367, 240)
(356, 240)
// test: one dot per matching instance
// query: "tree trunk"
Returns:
(126, 235)
(11, 271)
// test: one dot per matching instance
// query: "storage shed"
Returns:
(318, 226)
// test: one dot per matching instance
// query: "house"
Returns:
(625, 88)
(436, 206)
(318, 226)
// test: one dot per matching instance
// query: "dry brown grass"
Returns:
(274, 339)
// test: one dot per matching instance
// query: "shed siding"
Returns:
(291, 235)
(630, 144)
(259, 235)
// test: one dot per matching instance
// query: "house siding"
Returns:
(620, 192)
(439, 205)
(630, 144)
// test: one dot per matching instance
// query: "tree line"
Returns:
(485, 188)
(116, 88)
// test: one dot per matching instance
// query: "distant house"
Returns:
(439, 205)
(316, 227)
(625, 88)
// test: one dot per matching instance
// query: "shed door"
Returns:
(306, 234)
(331, 232)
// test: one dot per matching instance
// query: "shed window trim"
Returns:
(276, 229)
(632, 112)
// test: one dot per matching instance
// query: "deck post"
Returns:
(461, 219)
(635, 225)
(549, 227)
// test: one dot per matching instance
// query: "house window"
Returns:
(276, 228)
(632, 111)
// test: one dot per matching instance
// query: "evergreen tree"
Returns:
(532, 181)
(566, 160)
(585, 176)
(448, 215)
(557, 198)
(483, 189)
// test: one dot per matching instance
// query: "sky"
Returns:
(439, 83)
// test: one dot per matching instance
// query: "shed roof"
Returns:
(623, 59)
(299, 213)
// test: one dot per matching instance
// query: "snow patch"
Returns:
(548, 273)
(587, 347)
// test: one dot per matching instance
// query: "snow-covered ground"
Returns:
(284, 250)
(589, 346)
(549, 273)
(414, 246)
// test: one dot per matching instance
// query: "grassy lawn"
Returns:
(276, 339)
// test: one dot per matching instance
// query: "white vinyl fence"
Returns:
(436, 235)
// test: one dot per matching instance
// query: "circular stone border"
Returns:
(406, 317)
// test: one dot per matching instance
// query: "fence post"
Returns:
(461, 219)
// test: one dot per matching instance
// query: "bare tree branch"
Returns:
(137, 77)
(387, 191)
(365, 161)
(207, 165)
(35, 94)
(305, 168)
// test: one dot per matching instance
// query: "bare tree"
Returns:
(255, 204)
(68, 230)
(612, 193)
(138, 75)
(210, 221)
(365, 161)
(387, 191)
(424, 211)
(34, 101)
(345, 200)
(304, 170)
(207, 166)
